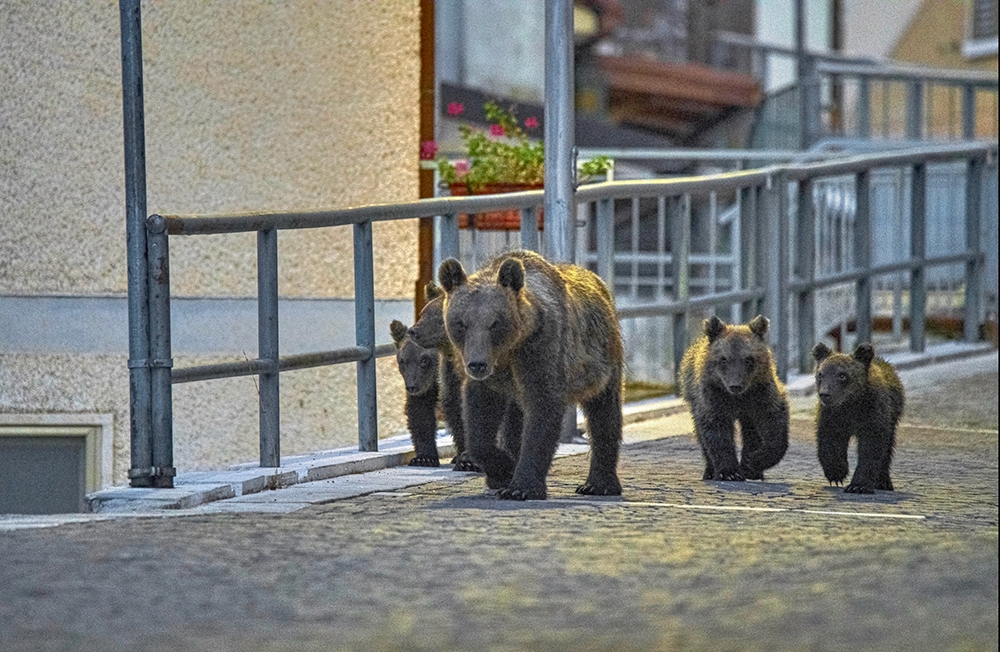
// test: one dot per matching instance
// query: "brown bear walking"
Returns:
(536, 336)
(859, 396)
(429, 374)
(728, 375)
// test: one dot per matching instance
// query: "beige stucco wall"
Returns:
(257, 104)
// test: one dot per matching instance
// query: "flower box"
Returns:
(509, 220)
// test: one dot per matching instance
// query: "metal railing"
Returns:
(769, 280)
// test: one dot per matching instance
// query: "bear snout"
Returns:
(413, 389)
(477, 369)
(735, 390)
(824, 398)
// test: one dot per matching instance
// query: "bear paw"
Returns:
(425, 460)
(750, 473)
(859, 488)
(465, 463)
(602, 487)
(885, 485)
(522, 493)
(730, 476)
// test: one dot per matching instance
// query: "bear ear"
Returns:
(864, 353)
(758, 326)
(398, 331)
(451, 275)
(821, 352)
(714, 327)
(431, 291)
(511, 274)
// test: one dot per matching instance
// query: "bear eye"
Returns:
(723, 360)
(749, 360)
(843, 376)
(495, 325)
(425, 363)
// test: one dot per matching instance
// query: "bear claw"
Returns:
(515, 493)
(732, 476)
(421, 460)
(855, 488)
(606, 488)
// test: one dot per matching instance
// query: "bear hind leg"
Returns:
(604, 420)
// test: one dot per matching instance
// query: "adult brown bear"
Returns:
(728, 375)
(540, 336)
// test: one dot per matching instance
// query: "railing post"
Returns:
(160, 362)
(364, 323)
(864, 108)
(529, 228)
(267, 347)
(863, 257)
(974, 267)
(915, 110)
(806, 271)
(679, 210)
(810, 104)
(918, 251)
(748, 249)
(449, 237)
(560, 217)
(141, 438)
(605, 234)
(778, 313)
(968, 111)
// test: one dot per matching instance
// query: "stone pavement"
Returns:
(426, 560)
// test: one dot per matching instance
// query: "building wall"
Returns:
(256, 105)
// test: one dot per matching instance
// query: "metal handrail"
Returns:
(766, 284)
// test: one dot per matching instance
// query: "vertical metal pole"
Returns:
(918, 251)
(864, 108)
(780, 310)
(968, 111)
(863, 256)
(560, 164)
(140, 472)
(806, 264)
(802, 73)
(761, 245)
(267, 347)
(915, 110)
(449, 237)
(559, 130)
(605, 234)
(529, 228)
(160, 362)
(748, 249)
(769, 251)
(364, 324)
(679, 211)
(974, 267)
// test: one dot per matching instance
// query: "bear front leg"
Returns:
(768, 438)
(717, 437)
(545, 403)
(604, 420)
(512, 429)
(483, 411)
(831, 447)
(451, 405)
(872, 449)
(422, 422)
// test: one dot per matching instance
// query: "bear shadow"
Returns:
(879, 497)
(489, 501)
(751, 487)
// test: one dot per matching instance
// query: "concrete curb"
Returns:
(199, 488)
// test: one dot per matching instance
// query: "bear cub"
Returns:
(859, 396)
(430, 378)
(728, 375)
(533, 337)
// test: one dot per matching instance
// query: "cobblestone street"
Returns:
(675, 564)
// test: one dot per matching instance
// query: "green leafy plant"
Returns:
(503, 154)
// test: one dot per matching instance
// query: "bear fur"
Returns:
(533, 337)
(859, 396)
(430, 379)
(728, 375)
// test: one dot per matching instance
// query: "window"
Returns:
(981, 29)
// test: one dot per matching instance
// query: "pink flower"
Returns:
(428, 149)
(531, 123)
(496, 130)
(462, 167)
(455, 108)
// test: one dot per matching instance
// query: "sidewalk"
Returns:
(426, 560)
